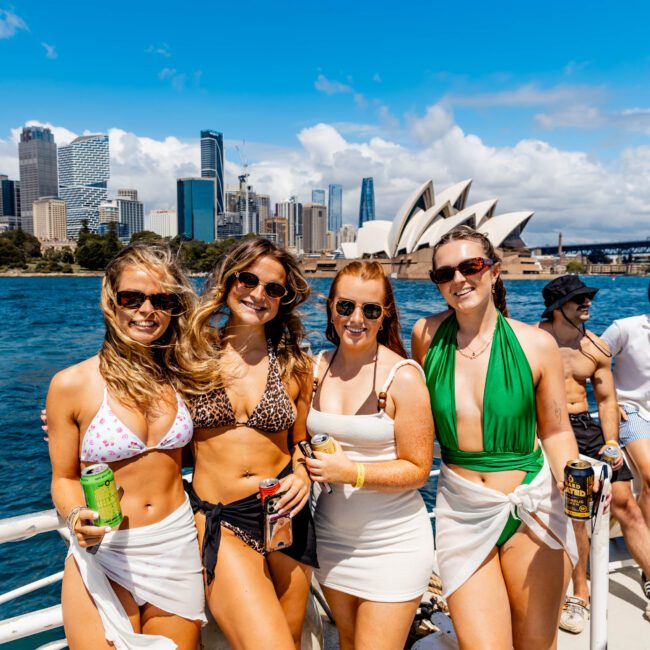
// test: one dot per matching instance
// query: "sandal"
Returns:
(645, 585)
(575, 614)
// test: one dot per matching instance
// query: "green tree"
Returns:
(112, 245)
(146, 236)
(575, 267)
(10, 255)
(84, 233)
(25, 242)
(91, 255)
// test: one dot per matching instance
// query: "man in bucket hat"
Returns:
(585, 357)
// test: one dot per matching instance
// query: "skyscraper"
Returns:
(292, 212)
(125, 210)
(9, 203)
(367, 202)
(38, 174)
(314, 228)
(335, 208)
(84, 170)
(195, 208)
(318, 197)
(50, 219)
(162, 222)
(212, 163)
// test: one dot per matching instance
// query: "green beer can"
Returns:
(99, 488)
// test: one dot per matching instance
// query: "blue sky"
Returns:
(333, 91)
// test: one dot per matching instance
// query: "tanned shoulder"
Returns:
(424, 331)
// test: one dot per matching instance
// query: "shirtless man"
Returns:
(585, 356)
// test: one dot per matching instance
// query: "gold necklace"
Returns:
(473, 355)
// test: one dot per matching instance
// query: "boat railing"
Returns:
(24, 526)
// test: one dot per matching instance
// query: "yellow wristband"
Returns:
(361, 475)
(612, 442)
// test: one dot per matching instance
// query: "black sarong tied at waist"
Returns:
(245, 514)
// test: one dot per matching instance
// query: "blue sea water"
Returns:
(48, 323)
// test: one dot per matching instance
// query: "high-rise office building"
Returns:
(129, 195)
(347, 233)
(318, 197)
(196, 208)
(367, 202)
(9, 203)
(291, 210)
(84, 171)
(314, 228)
(212, 164)
(335, 208)
(245, 211)
(38, 173)
(128, 212)
(49, 219)
(276, 229)
(162, 222)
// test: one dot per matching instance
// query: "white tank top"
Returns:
(367, 437)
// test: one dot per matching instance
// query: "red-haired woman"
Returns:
(375, 544)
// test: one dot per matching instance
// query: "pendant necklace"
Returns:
(472, 354)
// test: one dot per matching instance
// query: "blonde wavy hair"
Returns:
(134, 372)
(202, 368)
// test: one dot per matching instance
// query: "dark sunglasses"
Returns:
(471, 266)
(159, 301)
(580, 300)
(250, 281)
(371, 310)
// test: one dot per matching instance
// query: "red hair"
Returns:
(389, 334)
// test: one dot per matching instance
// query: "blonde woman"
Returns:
(248, 384)
(120, 408)
(375, 543)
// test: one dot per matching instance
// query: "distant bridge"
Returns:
(612, 248)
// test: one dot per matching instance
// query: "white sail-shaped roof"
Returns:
(423, 199)
(484, 211)
(442, 226)
(498, 228)
(372, 237)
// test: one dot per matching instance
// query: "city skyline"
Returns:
(563, 132)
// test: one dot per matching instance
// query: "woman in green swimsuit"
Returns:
(503, 542)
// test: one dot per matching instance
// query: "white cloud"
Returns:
(331, 87)
(590, 117)
(529, 95)
(162, 49)
(436, 122)
(50, 51)
(586, 198)
(575, 66)
(10, 24)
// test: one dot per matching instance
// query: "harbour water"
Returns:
(48, 323)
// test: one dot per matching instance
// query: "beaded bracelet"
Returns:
(361, 475)
(72, 518)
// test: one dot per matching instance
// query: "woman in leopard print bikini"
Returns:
(248, 385)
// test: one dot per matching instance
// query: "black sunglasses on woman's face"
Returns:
(371, 310)
(468, 267)
(250, 281)
(159, 301)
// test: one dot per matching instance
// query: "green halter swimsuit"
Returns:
(509, 412)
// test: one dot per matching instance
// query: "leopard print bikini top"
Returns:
(274, 412)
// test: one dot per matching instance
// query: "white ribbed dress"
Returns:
(371, 544)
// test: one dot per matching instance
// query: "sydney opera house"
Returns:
(403, 246)
(425, 217)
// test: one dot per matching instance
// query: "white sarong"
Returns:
(158, 564)
(470, 519)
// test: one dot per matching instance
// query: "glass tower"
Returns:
(335, 208)
(84, 170)
(212, 163)
(9, 203)
(367, 202)
(318, 197)
(195, 208)
(38, 173)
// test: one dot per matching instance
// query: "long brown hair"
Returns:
(467, 233)
(201, 357)
(389, 334)
(134, 372)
